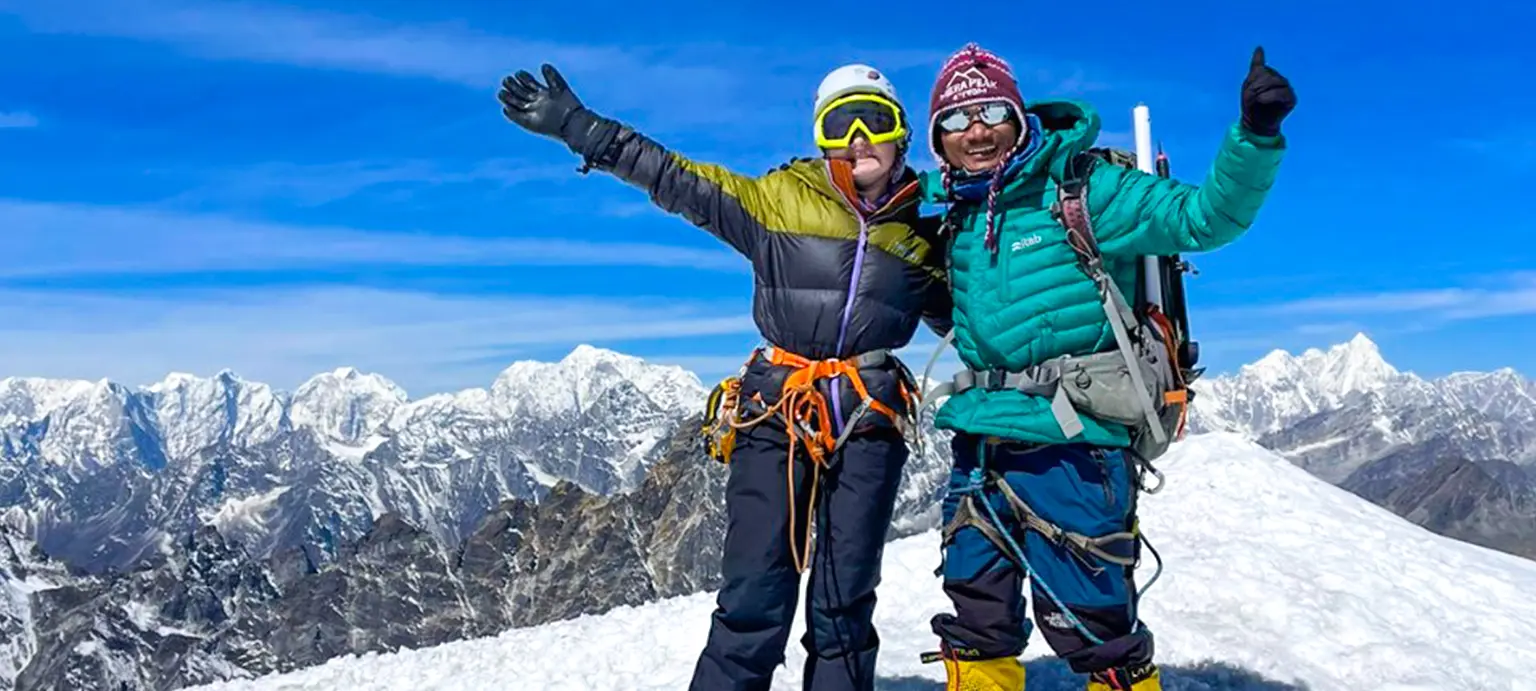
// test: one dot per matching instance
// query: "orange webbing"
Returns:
(1180, 396)
(802, 406)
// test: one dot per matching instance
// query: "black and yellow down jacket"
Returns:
(829, 281)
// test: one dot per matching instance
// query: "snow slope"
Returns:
(1274, 579)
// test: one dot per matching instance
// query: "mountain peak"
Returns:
(1356, 365)
(354, 381)
(1281, 388)
(588, 369)
(1362, 342)
(1275, 361)
(585, 355)
(179, 380)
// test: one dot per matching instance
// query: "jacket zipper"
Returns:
(853, 282)
(853, 287)
(1004, 258)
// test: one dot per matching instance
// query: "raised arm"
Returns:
(1137, 213)
(732, 207)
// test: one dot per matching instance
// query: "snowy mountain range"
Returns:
(210, 610)
(1283, 399)
(1455, 454)
(1273, 581)
(104, 475)
(345, 518)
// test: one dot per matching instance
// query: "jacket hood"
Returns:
(818, 174)
(1068, 128)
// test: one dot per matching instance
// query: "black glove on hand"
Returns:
(1267, 97)
(537, 108)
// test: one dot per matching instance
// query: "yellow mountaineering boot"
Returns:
(996, 674)
(1143, 678)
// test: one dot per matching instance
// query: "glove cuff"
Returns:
(1262, 129)
(590, 136)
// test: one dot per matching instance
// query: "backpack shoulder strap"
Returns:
(1072, 212)
(1071, 208)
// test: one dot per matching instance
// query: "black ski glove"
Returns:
(1267, 97)
(552, 111)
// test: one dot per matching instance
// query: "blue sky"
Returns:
(282, 189)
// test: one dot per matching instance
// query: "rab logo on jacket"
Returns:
(967, 83)
(1026, 243)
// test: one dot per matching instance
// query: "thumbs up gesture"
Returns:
(1267, 97)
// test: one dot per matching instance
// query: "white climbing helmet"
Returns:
(849, 79)
(853, 78)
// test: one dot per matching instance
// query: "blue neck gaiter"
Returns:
(974, 187)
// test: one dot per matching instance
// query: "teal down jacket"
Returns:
(1030, 302)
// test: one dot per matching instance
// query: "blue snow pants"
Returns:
(760, 588)
(1083, 489)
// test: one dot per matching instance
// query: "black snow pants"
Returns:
(760, 592)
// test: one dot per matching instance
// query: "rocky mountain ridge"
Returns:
(212, 610)
(104, 476)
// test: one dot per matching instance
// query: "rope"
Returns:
(977, 487)
(799, 401)
(977, 475)
(800, 404)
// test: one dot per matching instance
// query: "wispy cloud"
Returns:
(17, 120)
(69, 239)
(1075, 82)
(1254, 342)
(316, 184)
(278, 34)
(427, 343)
(618, 209)
(1501, 296)
(1517, 147)
(1231, 335)
(443, 51)
(738, 83)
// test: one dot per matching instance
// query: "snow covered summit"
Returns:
(1273, 579)
(103, 474)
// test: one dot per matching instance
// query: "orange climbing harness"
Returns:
(807, 418)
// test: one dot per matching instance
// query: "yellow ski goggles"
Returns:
(872, 115)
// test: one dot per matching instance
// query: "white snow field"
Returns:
(1273, 579)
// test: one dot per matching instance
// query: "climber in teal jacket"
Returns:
(1021, 299)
